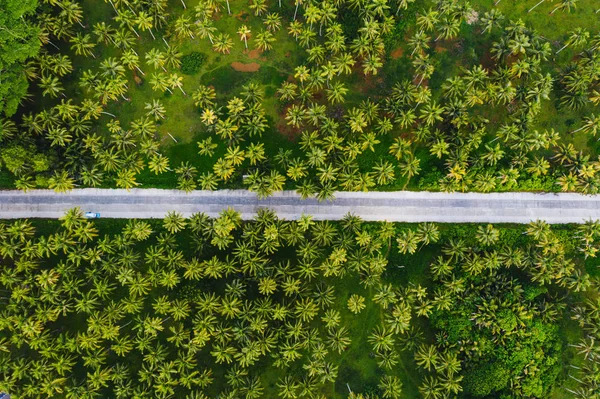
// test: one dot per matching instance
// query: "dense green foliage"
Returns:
(219, 308)
(19, 41)
(192, 63)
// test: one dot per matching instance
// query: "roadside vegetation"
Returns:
(220, 308)
(312, 96)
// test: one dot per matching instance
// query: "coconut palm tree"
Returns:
(244, 33)
(223, 43)
(82, 45)
(145, 22)
(264, 40)
(577, 37)
(591, 125)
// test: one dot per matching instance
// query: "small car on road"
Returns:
(92, 215)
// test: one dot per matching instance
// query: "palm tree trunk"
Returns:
(296, 11)
(152, 34)
(496, 3)
(532, 8)
(320, 28)
(555, 9)
(113, 6)
(108, 113)
(80, 24)
(183, 4)
(135, 31)
(138, 68)
(171, 136)
(165, 42)
(228, 9)
(246, 42)
(184, 93)
(563, 47)
(578, 130)
(169, 90)
(54, 45)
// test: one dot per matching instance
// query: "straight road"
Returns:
(400, 206)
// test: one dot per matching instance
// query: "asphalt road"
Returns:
(401, 206)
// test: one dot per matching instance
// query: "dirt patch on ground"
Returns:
(241, 67)
(254, 54)
(242, 16)
(397, 53)
(440, 49)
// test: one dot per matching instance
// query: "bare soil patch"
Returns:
(397, 53)
(254, 54)
(241, 67)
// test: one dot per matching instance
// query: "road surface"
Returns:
(401, 206)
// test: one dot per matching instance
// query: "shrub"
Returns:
(192, 63)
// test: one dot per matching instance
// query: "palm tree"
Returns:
(145, 22)
(183, 27)
(160, 82)
(206, 29)
(391, 387)
(273, 22)
(61, 182)
(410, 167)
(264, 40)
(155, 109)
(258, 6)
(288, 387)
(408, 241)
(296, 115)
(82, 45)
(565, 5)
(591, 125)
(223, 43)
(104, 32)
(244, 33)
(174, 222)
(51, 86)
(131, 60)
(126, 179)
(336, 93)
(431, 388)
(156, 59)
(174, 80)
(71, 11)
(577, 37)
(356, 303)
